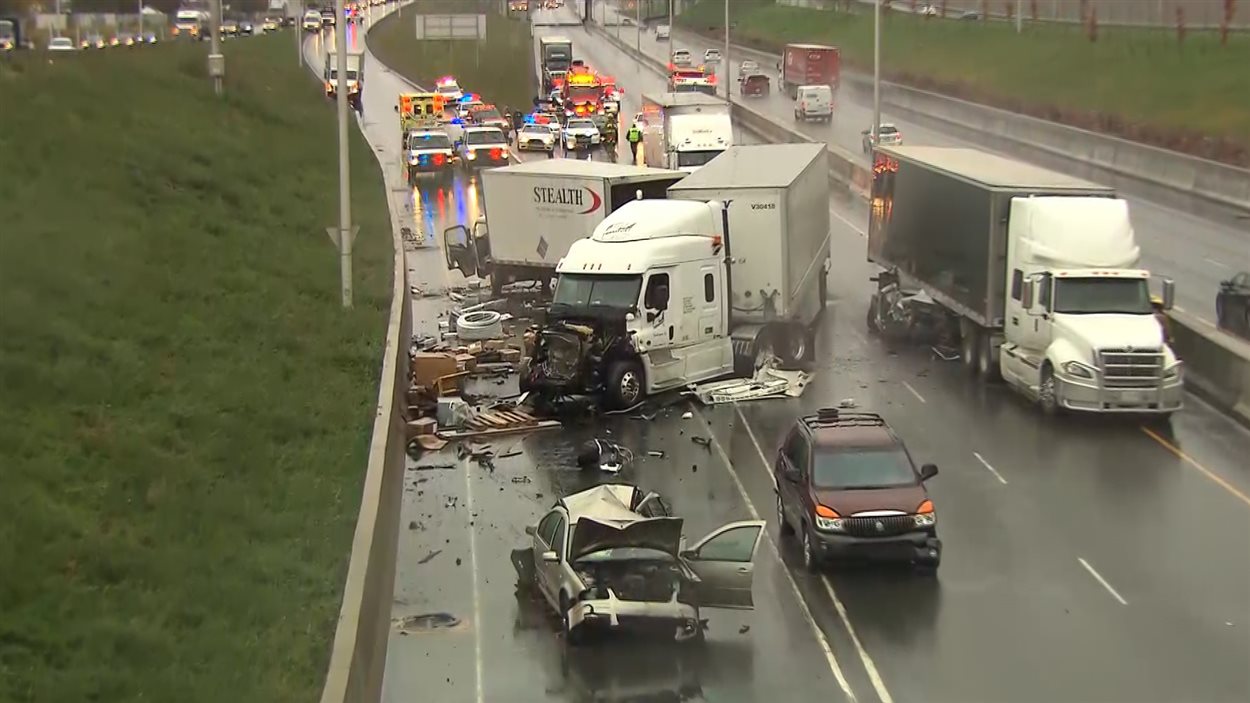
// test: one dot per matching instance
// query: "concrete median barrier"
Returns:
(1186, 182)
(1217, 365)
(358, 655)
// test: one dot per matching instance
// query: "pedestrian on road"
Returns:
(633, 136)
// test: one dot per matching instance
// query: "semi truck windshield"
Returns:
(580, 291)
(1089, 296)
(690, 159)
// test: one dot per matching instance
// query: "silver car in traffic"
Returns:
(612, 557)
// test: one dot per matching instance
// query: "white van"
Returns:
(814, 102)
(662, 32)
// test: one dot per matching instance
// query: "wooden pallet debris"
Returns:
(498, 422)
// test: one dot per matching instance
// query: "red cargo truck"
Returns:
(809, 64)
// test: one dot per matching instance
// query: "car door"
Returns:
(791, 470)
(722, 568)
(543, 538)
(460, 250)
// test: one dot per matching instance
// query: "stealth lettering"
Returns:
(550, 195)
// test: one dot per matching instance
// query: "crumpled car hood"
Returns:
(659, 533)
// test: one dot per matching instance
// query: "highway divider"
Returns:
(358, 655)
(1217, 365)
(1186, 182)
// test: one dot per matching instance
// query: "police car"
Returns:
(428, 151)
(482, 147)
(449, 88)
(581, 133)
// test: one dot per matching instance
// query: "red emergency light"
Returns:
(496, 153)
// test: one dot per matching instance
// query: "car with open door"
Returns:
(613, 557)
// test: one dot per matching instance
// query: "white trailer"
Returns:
(666, 293)
(684, 131)
(536, 210)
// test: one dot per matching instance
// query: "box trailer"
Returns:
(536, 210)
(1035, 272)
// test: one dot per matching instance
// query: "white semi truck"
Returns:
(1035, 272)
(536, 210)
(355, 77)
(728, 270)
(684, 131)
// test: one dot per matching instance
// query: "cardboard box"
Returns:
(422, 426)
(428, 367)
(466, 362)
(510, 356)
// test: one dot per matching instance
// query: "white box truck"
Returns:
(536, 210)
(1035, 272)
(684, 131)
(355, 77)
(731, 268)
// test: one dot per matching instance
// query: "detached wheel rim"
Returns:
(1046, 395)
(781, 515)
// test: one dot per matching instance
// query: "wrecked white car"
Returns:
(611, 557)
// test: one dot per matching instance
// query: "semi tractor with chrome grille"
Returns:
(1034, 274)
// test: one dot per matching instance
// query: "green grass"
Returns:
(1134, 82)
(500, 69)
(186, 408)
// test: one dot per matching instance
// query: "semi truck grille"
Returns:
(887, 526)
(1131, 368)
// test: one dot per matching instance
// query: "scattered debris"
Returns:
(432, 467)
(427, 621)
(425, 559)
(604, 455)
(521, 479)
(768, 382)
(514, 452)
(656, 453)
(846, 403)
(705, 442)
(687, 415)
(744, 629)
(499, 423)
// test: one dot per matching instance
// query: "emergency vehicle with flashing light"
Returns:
(428, 151)
(690, 80)
(482, 147)
(448, 88)
(582, 93)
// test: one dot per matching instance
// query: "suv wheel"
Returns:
(781, 518)
(810, 561)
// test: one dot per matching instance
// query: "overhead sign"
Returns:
(444, 27)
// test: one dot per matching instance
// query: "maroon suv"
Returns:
(848, 487)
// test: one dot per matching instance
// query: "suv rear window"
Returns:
(865, 468)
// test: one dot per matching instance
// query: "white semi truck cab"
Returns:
(666, 293)
(685, 131)
(1035, 272)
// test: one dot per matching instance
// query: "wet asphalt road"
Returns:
(1197, 252)
(1085, 560)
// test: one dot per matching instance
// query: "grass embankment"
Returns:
(500, 69)
(186, 408)
(1135, 83)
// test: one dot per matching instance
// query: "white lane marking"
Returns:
(914, 392)
(477, 598)
(987, 465)
(1103, 581)
(869, 666)
(794, 586)
(1213, 262)
(850, 224)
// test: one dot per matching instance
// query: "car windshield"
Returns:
(581, 124)
(1088, 296)
(695, 88)
(888, 130)
(586, 291)
(690, 159)
(863, 468)
(484, 136)
(188, 17)
(536, 130)
(487, 113)
(429, 141)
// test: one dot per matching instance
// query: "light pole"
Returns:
(140, 37)
(1019, 17)
(345, 232)
(216, 61)
(670, 19)
(876, 70)
(638, 25)
(724, 59)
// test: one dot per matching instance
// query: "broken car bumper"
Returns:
(612, 613)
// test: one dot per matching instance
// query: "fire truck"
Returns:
(685, 79)
(581, 95)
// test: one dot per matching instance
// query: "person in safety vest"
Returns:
(633, 136)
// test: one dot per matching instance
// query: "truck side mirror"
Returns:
(1169, 293)
(1028, 293)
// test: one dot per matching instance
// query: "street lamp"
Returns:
(344, 233)
(724, 59)
(876, 71)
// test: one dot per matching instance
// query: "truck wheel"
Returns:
(1046, 394)
(625, 384)
(969, 342)
(987, 360)
(794, 347)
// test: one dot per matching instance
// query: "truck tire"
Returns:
(1047, 397)
(987, 360)
(871, 321)
(794, 345)
(626, 387)
(969, 343)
